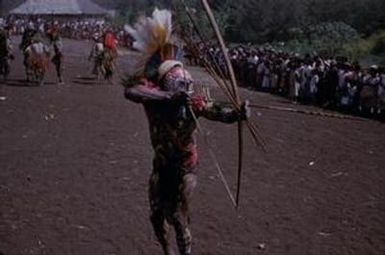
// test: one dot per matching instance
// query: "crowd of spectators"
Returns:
(73, 29)
(330, 82)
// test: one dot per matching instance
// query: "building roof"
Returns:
(59, 7)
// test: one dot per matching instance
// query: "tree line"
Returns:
(265, 20)
(302, 25)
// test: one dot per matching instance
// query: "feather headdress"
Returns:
(154, 39)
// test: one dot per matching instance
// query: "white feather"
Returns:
(150, 34)
(145, 30)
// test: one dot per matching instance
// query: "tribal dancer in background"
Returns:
(53, 34)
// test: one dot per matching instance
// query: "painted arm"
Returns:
(224, 112)
(145, 92)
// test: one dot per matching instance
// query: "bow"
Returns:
(235, 95)
(231, 91)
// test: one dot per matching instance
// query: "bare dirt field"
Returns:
(75, 160)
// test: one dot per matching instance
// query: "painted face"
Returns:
(178, 79)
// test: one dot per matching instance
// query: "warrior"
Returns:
(165, 88)
(97, 54)
(5, 51)
(53, 35)
(36, 57)
(34, 52)
(110, 53)
(27, 36)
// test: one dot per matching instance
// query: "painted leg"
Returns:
(181, 219)
(158, 219)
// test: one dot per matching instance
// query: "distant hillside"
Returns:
(109, 4)
(7, 5)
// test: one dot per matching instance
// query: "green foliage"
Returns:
(261, 20)
(125, 16)
(327, 38)
(374, 44)
(297, 46)
(306, 26)
(183, 23)
(357, 49)
(185, 26)
(331, 37)
(379, 43)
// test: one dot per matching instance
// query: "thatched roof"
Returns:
(59, 7)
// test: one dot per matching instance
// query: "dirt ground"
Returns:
(75, 161)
